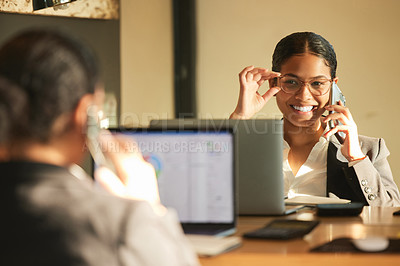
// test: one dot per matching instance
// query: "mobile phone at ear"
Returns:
(92, 142)
(335, 97)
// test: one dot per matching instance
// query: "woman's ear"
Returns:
(336, 80)
(74, 121)
(80, 113)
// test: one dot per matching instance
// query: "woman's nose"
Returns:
(304, 92)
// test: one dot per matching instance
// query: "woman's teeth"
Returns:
(303, 108)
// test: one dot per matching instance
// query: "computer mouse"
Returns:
(371, 244)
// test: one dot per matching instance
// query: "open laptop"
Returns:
(196, 175)
(259, 152)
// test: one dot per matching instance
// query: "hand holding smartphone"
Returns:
(136, 179)
(93, 131)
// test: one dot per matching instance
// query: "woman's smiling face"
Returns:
(303, 109)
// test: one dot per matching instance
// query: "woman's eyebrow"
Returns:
(320, 76)
(291, 75)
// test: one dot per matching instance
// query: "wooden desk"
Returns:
(373, 221)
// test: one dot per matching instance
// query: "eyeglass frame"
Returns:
(303, 83)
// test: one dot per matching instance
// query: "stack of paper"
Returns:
(313, 200)
(205, 245)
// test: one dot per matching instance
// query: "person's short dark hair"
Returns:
(52, 72)
(304, 42)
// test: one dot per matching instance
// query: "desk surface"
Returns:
(373, 221)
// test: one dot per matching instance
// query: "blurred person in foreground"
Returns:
(48, 80)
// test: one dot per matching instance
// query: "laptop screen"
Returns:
(259, 149)
(195, 171)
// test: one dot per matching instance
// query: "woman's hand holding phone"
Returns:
(136, 178)
(250, 101)
(350, 148)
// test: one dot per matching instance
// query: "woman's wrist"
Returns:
(235, 115)
(359, 157)
(240, 114)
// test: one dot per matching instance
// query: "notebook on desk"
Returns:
(196, 175)
(259, 152)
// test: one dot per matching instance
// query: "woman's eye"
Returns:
(317, 83)
(291, 82)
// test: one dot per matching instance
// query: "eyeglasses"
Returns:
(318, 86)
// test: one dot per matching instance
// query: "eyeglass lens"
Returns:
(318, 86)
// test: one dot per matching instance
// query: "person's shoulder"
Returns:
(373, 146)
(368, 138)
(370, 141)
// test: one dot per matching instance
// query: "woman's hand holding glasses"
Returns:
(250, 100)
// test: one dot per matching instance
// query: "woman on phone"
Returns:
(315, 161)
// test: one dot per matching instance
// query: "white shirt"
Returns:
(311, 177)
